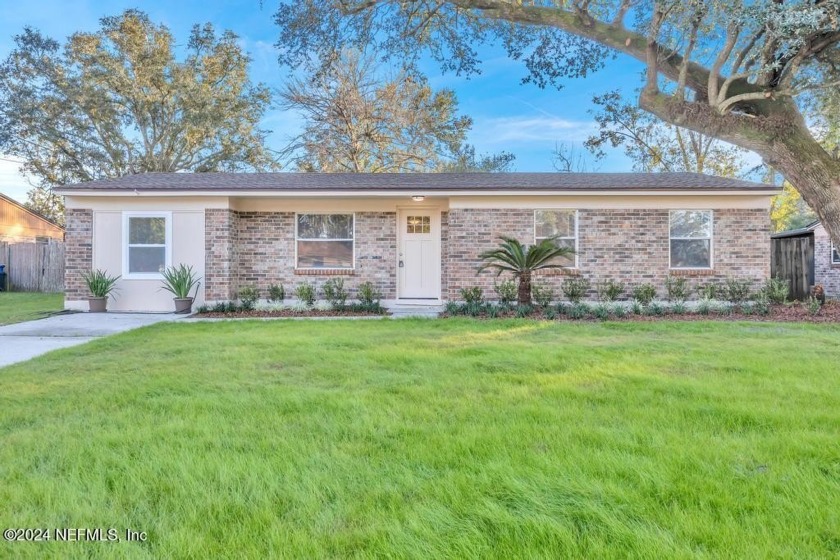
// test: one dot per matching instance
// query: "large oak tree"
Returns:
(737, 70)
(117, 102)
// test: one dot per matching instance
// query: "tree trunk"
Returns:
(781, 138)
(524, 296)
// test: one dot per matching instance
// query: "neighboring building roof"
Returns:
(409, 182)
(807, 230)
(34, 213)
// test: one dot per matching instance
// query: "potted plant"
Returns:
(101, 286)
(180, 280)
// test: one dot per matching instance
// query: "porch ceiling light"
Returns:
(418, 198)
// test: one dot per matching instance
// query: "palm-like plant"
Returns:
(522, 260)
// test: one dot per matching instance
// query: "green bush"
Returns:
(550, 313)
(656, 309)
(335, 293)
(472, 296)
(708, 291)
(679, 308)
(609, 290)
(579, 311)
(524, 310)
(506, 291)
(543, 294)
(276, 293)
(368, 295)
(248, 297)
(180, 280)
(704, 307)
(619, 310)
(644, 294)
(737, 290)
(575, 288)
(305, 292)
(492, 311)
(677, 288)
(762, 303)
(777, 290)
(813, 305)
(601, 311)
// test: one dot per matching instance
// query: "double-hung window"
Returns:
(560, 225)
(691, 238)
(147, 243)
(324, 241)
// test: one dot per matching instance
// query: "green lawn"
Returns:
(429, 439)
(25, 306)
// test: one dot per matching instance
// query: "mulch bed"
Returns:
(788, 313)
(261, 314)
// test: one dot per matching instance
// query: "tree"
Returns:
(656, 146)
(735, 70)
(357, 121)
(789, 211)
(465, 160)
(522, 260)
(46, 203)
(116, 102)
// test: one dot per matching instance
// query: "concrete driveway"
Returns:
(22, 341)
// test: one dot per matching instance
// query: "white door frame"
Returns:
(402, 212)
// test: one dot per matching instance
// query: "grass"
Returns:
(26, 306)
(431, 439)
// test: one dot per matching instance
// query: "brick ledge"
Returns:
(691, 272)
(325, 272)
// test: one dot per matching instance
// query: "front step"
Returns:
(402, 311)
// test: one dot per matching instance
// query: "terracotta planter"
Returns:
(98, 304)
(183, 305)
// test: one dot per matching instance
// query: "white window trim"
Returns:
(711, 239)
(297, 238)
(577, 228)
(168, 245)
(831, 251)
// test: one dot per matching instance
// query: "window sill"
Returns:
(692, 272)
(325, 272)
(557, 272)
(151, 276)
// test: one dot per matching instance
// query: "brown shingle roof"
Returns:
(419, 182)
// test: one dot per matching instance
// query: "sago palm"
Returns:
(522, 260)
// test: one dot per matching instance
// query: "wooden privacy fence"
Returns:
(792, 259)
(33, 267)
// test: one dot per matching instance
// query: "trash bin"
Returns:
(2, 277)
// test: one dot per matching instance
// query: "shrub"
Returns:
(609, 290)
(746, 308)
(619, 311)
(492, 311)
(507, 291)
(550, 313)
(708, 291)
(813, 305)
(562, 308)
(637, 308)
(677, 288)
(473, 295)
(777, 290)
(305, 292)
(543, 294)
(368, 295)
(656, 309)
(335, 293)
(575, 288)
(644, 294)
(473, 309)
(524, 310)
(705, 306)
(601, 311)
(579, 311)
(451, 308)
(276, 293)
(737, 290)
(679, 308)
(202, 309)
(248, 297)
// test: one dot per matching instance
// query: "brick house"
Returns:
(415, 236)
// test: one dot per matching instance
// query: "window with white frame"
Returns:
(691, 238)
(325, 240)
(835, 254)
(148, 239)
(560, 225)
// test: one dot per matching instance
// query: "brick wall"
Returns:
(219, 254)
(629, 246)
(78, 246)
(261, 251)
(825, 273)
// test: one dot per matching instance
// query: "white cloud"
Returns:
(530, 129)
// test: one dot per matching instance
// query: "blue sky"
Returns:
(507, 115)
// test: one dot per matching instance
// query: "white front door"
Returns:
(418, 269)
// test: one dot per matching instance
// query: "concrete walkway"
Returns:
(22, 341)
